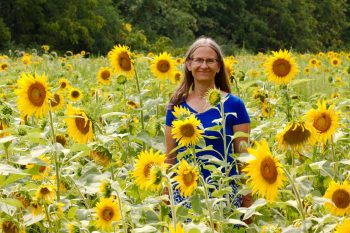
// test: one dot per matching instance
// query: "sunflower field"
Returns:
(83, 146)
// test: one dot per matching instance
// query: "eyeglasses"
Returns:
(199, 61)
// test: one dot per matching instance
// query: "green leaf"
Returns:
(6, 180)
(7, 139)
(7, 169)
(12, 202)
(196, 204)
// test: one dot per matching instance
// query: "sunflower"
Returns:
(163, 66)
(35, 208)
(186, 131)
(75, 94)
(339, 198)
(335, 61)
(187, 178)
(307, 70)
(33, 95)
(177, 77)
(265, 172)
(228, 61)
(313, 62)
(57, 102)
(178, 228)
(4, 66)
(73, 228)
(8, 226)
(3, 129)
(344, 227)
(107, 211)
(63, 84)
(181, 112)
(213, 96)
(43, 170)
(157, 176)
(46, 192)
(26, 59)
(281, 67)
(101, 156)
(61, 139)
(105, 188)
(143, 165)
(297, 135)
(324, 120)
(104, 75)
(267, 109)
(120, 59)
(79, 125)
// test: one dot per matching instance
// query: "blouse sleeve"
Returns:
(237, 106)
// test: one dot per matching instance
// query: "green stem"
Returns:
(57, 165)
(158, 91)
(296, 194)
(207, 203)
(121, 212)
(288, 106)
(172, 202)
(141, 104)
(48, 215)
(335, 167)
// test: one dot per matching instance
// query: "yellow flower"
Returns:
(46, 48)
(178, 228)
(157, 176)
(313, 62)
(181, 112)
(127, 27)
(101, 156)
(3, 129)
(104, 75)
(344, 227)
(163, 66)
(187, 178)
(9, 226)
(33, 95)
(186, 131)
(265, 172)
(4, 66)
(281, 67)
(335, 61)
(213, 96)
(61, 139)
(43, 170)
(105, 188)
(79, 125)
(143, 165)
(26, 59)
(57, 102)
(324, 120)
(120, 59)
(63, 84)
(297, 135)
(35, 208)
(75, 94)
(339, 198)
(267, 109)
(46, 192)
(177, 77)
(107, 211)
(229, 61)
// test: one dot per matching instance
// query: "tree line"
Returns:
(163, 25)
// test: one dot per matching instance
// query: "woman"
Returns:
(204, 69)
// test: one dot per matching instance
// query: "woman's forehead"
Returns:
(205, 50)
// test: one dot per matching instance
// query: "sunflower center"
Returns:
(42, 169)
(323, 122)
(187, 130)
(75, 94)
(163, 66)
(44, 191)
(37, 94)
(147, 169)
(188, 178)
(8, 226)
(335, 62)
(105, 75)
(63, 85)
(4, 66)
(82, 124)
(281, 67)
(56, 100)
(341, 198)
(268, 170)
(296, 135)
(124, 61)
(107, 213)
(61, 140)
(177, 77)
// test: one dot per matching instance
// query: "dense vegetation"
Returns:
(155, 25)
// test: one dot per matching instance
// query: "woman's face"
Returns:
(204, 64)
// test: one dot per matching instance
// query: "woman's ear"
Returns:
(188, 65)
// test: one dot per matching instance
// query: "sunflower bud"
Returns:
(213, 96)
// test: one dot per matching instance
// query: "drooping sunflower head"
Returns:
(186, 132)
(3, 129)
(260, 94)
(163, 66)
(177, 77)
(26, 59)
(107, 211)
(143, 165)
(281, 67)
(339, 198)
(7, 225)
(35, 208)
(33, 95)
(57, 102)
(229, 62)
(46, 192)
(104, 75)
(75, 94)
(187, 178)
(265, 172)
(181, 113)
(63, 84)
(213, 96)
(121, 60)
(324, 119)
(79, 125)
(101, 155)
(343, 227)
(297, 135)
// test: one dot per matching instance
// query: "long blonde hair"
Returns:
(221, 78)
